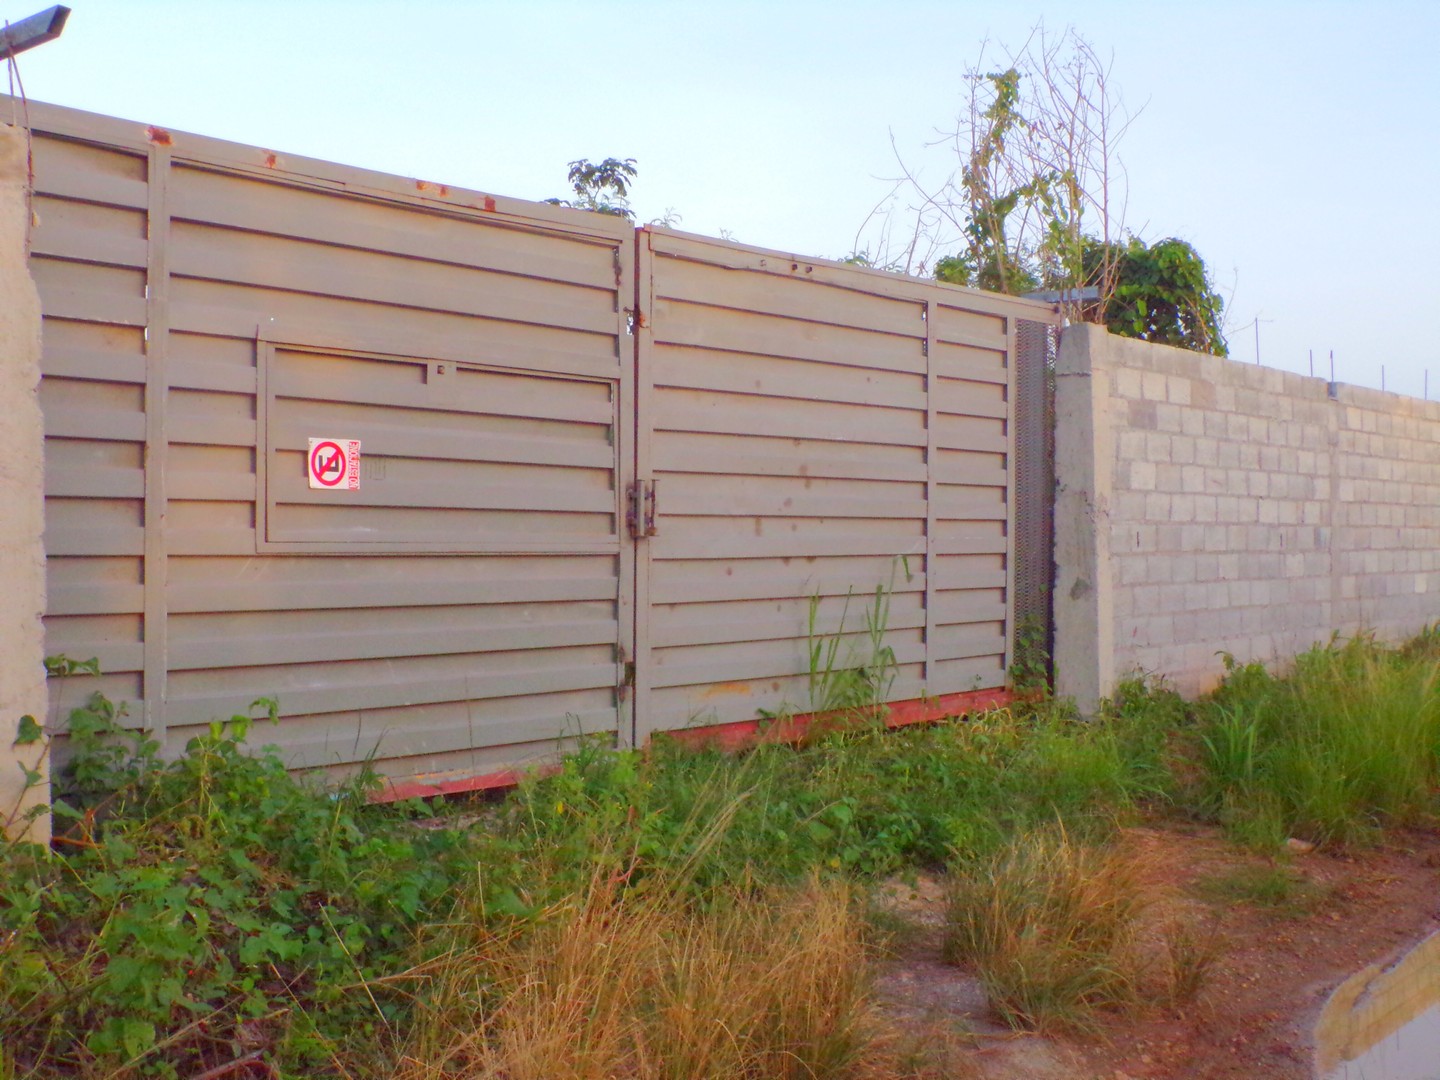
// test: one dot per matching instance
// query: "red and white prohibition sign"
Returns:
(334, 464)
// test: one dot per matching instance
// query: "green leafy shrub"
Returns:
(204, 903)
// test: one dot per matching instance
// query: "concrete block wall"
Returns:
(1207, 506)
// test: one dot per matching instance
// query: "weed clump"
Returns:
(1049, 925)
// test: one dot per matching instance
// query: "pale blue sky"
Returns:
(1297, 145)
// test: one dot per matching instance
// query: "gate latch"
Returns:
(640, 508)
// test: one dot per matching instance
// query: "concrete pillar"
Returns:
(1084, 468)
(22, 551)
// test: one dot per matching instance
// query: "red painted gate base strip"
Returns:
(733, 736)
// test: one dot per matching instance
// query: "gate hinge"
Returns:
(626, 675)
(640, 508)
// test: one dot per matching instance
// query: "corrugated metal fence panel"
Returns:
(477, 348)
(89, 255)
(972, 390)
(816, 432)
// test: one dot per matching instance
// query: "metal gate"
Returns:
(209, 308)
(813, 432)
(590, 496)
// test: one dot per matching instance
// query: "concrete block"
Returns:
(1126, 383)
(1140, 415)
(1142, 475)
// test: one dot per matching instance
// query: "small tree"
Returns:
(602, 188)
(1037, 200)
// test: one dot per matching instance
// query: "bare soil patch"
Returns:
(1277, 962)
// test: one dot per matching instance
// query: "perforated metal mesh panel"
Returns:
(1034, 475)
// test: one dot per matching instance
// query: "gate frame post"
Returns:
(22, 479)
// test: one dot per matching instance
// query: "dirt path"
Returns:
(1277, 964)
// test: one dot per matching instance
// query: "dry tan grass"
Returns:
(646, 986)
(1052, 927)
(1049, 926)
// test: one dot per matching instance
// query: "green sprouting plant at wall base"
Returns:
(1030, 668)
(855, 681)
(31, 733)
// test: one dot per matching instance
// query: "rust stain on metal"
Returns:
(726, 689)
(426, 786)
(489, 203)
(640, 321)
(159, 136)
(420, 185)
(739, 735)
(444, 191)
(271, 160)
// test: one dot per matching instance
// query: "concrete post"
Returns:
(22, 551)
(1084, 467)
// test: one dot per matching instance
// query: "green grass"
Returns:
(1343, 744)
(1273, 887)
